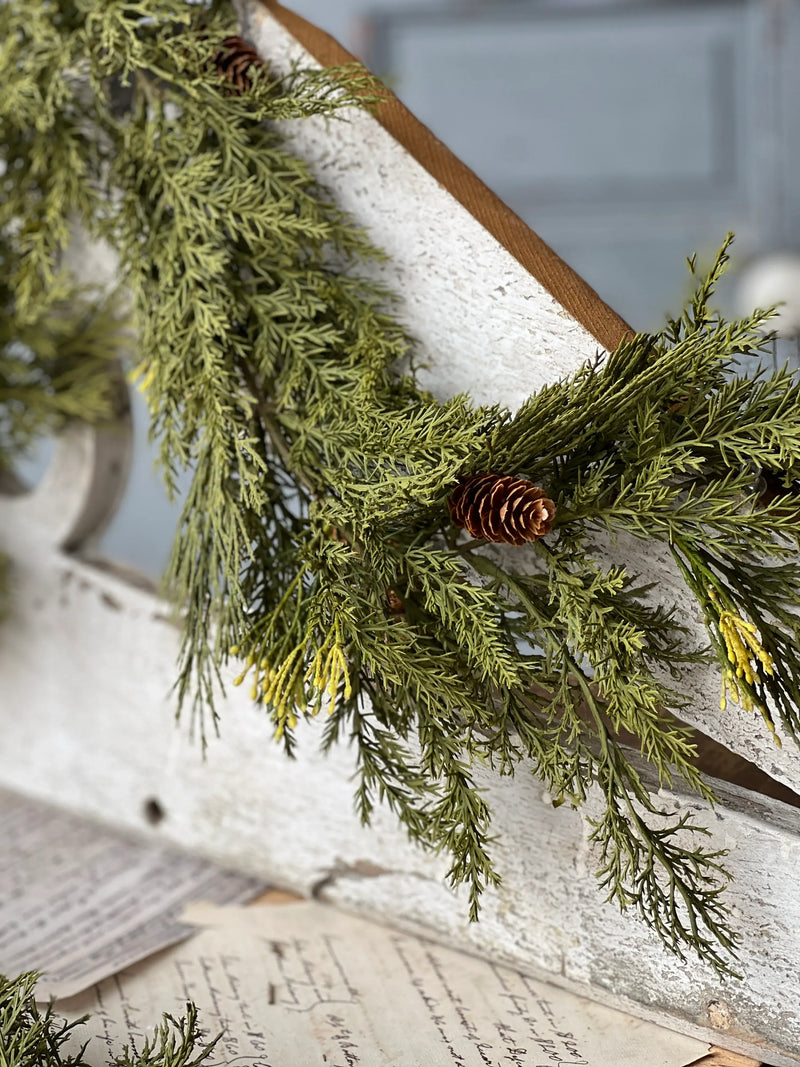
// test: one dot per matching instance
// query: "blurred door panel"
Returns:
(627, 134)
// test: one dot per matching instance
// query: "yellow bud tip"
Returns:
(234, 650)
(239, 678)
(254, 693)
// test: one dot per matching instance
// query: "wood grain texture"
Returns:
(718, 1057)
(87, 662)
(484, 324)
(507, 228)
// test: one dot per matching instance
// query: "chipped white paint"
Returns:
(484, 324)
(87, 661)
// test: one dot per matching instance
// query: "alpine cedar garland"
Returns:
(316, 541)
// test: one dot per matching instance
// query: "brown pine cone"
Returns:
(233, 59)
(395, 601)
(502, 508)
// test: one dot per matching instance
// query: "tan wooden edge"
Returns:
(277, 896)
(560, 280)
(719, 1057)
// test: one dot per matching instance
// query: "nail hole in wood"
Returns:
(153, 812)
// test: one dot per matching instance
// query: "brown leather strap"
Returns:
(568, 288)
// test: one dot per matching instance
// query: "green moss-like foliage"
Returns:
(321, 470)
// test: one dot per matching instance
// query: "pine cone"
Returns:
(500, 507)
(395, 601)
(771, 486)
(233, 59)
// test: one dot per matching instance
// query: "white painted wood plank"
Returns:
(87, 663)
(484, 325)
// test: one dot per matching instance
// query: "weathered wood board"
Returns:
(484, 321)
(87, 661)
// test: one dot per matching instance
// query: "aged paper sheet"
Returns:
(79, 902)
(302, 985)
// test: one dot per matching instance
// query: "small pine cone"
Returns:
(500, 507)
(770, 486)
(395, 602)
(233, 59)
(680, 405)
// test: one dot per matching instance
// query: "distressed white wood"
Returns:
(484, 326)
(78, 493)
(87, 662)
(87, 722)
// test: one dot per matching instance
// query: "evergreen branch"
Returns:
(315, 543)
(30, 1038)
(176, 1043)
(677, 890)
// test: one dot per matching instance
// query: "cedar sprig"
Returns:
(177, 1042)
(278, 375)
(32, 1037)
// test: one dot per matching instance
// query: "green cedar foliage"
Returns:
(32, 1038)
(58, 340)
(55, 363)
(315, 541)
